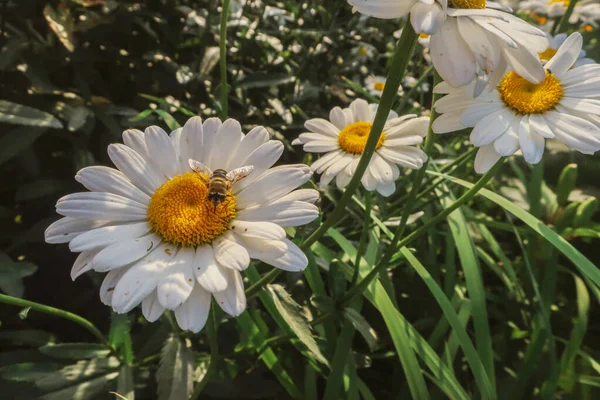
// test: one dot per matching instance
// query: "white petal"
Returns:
(140, 172)
(83, 263)
(190, 143)
(525, 63)
(343, 178)
(175, 138)
(252, 141)
(178, 281)
(151, 307)
(233, 299)
(486, 158)
(575, 132)
(125, 252)
(161, 151)
(338, 118)
(508, 143)
(192, 314)
(283, 212)
(105, 236)
(142, 278)
(451, 55)
(491, 127)
(273, 184)
(532, 144)
(208, 273)
(229, 137)
(100, 206)
(410, 157)
(261, 159)
(566, 55)
(538, 123)
(65, 229)
(104, 179)
(591, 106)
(320, 125)
(413, 127)
(446, 123)
(210, 128)
(320, 146)
(326, 161)
(291, 259)
(262, 230)
(380, 169)
(108, 284)
(335, 168)
(361, 110)
(386, 190)
(134, 139)
(230, 254)
(475, 113)
(426, 18)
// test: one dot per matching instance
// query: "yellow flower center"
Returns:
(588, 28)
(548, 54)
(379, 86)
(564, 2)
(181, 213)
(528, 98)
(423, 36)
(353, 138)
(467, 4)
(362, 51)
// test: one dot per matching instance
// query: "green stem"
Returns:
(420, 174)
(56, 312)
(397, 243)
(211, 331)
(223, 59)
(402, 54)
(562, 26)
(413, 89)
(363, 236)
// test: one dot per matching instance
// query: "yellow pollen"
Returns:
(362, 51)
(564, 2)
(353, 138)
(548, 54)
(469, 4)
(423, 35)
(525, 97)
(181, 213)
(379, 86)
(588, 28)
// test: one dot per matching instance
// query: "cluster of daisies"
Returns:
(153, 224)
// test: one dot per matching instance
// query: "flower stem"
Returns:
(363, 236)
(211, 331)
(56, 312)
(402, 54)
(413, 89)
(223, 59)
(562, 26)
(397, 243)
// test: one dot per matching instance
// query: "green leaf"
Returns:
(17, 140)
(169, 120)
(578, 259)
(26, 337)
(27, 371)
(291, 312)
(120, 338)
(62, 24)
(362, 326)
(474, 281)
(75, 351)
(19, 114)
(83, 391)
(40, 188)
(125, 382)
(13, 270)
(71, 376)
(176, 371)
(259, 80)
(566, 184)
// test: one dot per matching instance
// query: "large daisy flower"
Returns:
(163, 240)
(344, 140)
(521, 115)
(469, 38)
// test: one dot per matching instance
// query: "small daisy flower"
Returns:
(364, 51)
(555, 43)
(584, 9)
(375, 84)
(521, 115)
(344, 140)
(411, 82)
(469, 38)
(424, 39)
(163, 239)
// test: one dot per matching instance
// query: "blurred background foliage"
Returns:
(76, 73)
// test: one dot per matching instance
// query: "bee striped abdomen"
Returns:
(218, 185)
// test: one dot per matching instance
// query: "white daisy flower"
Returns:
(375, 84)
(344, 140)
(555, 43)
(469, 38)
(520, 115)
(424, 39)
(584, 9)
(364, 51)
(163, 239)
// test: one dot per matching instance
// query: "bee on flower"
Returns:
(182, 215)
(520, 115)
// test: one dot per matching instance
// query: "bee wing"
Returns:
(197, 166)
(239, 173)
